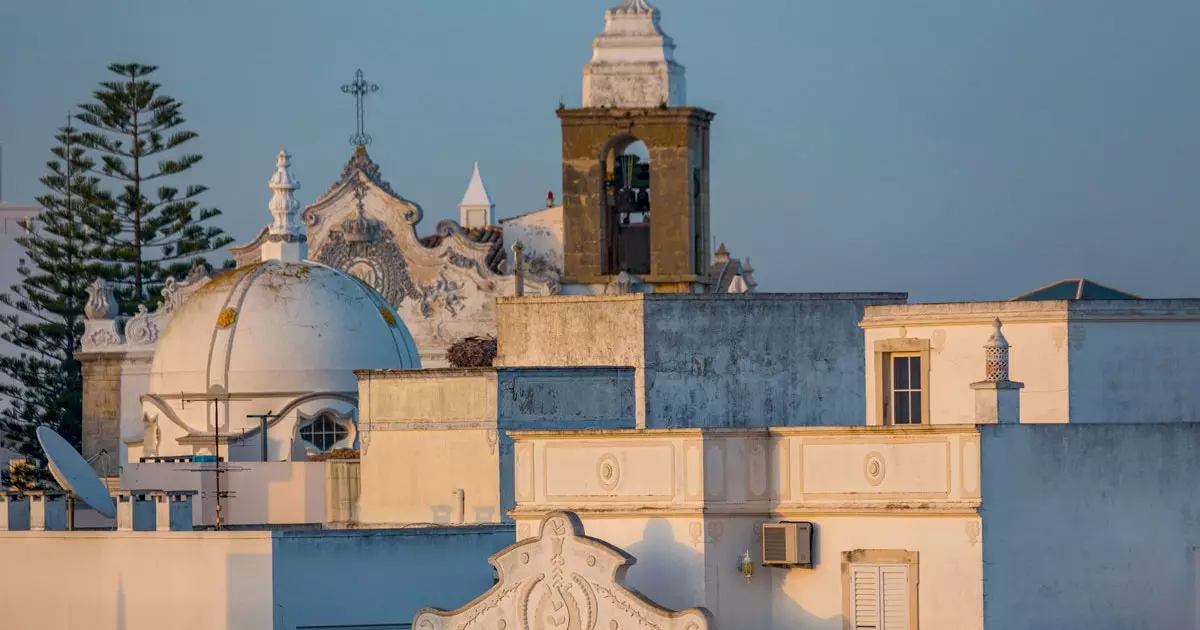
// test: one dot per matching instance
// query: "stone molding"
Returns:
(861, 470)
(561, 578)
(1031, 312)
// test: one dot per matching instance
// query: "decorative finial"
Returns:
(100, 303)
(359, 88)
(286, 227)
(284, 204)
(996, 355)
(634, 6)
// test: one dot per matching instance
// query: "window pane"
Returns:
(914, 374)
(915, 411)
(900, 373)
(901, 407)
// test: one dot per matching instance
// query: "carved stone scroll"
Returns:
(561, 579)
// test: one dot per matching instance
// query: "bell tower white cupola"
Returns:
(286, 238)
(475, 210)
(633, 62)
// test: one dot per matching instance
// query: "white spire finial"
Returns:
(286, 237)
(475, 210)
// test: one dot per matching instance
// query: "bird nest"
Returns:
(472, 352)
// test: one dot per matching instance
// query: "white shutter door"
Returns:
(879, 596)
(895, 597)
(864, 595)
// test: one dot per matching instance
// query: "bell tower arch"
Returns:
(635, 164)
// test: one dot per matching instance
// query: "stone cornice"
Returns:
(1031, 312)
(805, 431)
(644, 116)
(764, 297)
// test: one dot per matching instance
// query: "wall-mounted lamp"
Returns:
(746, 566)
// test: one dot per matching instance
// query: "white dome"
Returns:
(279, 327)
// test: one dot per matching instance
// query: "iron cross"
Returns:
(360, 89)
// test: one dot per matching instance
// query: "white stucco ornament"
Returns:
(633, 62)
(561, 579)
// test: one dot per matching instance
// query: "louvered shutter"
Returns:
(879, 596)
(895, 597)
(864, 593)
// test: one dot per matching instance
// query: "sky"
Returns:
(953, 150)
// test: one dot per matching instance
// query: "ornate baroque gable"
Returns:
(561, 580)
(443, 285)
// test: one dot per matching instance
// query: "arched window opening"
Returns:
(323, 432)
(627, 206)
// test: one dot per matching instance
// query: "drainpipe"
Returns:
(460, 505)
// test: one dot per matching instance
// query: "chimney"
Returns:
(997, 399)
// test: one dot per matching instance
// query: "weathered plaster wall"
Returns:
(102, 407)
(379, 578)
(1135, 371)
(541, 232)
(688, 502)
(136, 580)
(755, 361)
(574, 331)
(426, 434)
(712, 360)
(1090, 526)
(1038, 358)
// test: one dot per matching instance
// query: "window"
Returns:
(880, 596)
(879, 589)
(323, 432)
(904, 399)
(902, 382)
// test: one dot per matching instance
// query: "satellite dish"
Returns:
(74, 474)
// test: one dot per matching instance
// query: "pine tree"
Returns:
(145, 239)
(46, 308)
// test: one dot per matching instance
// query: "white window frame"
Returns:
(882, 563)
(332, 416)
(885, 352)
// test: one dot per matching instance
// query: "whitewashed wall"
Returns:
(136, 580)
(262, 492)
(1091, 526)
(1081, 361)
(687, 503)
(240, 580)
(1038, 358)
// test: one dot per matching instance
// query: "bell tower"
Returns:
(635, 164)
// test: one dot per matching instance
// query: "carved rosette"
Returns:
(561, 579)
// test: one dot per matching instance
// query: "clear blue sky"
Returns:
(955, 150)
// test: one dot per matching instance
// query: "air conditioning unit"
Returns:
(787, 544)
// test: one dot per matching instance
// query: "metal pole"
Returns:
(217, 462)
(263, 419)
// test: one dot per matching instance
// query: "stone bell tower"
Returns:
(635, 165)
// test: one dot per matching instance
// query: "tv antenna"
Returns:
(216, 394)
(264, 419)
